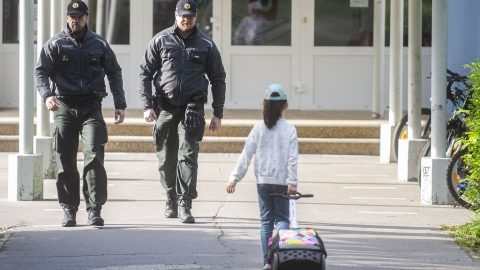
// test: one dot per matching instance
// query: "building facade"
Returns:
(321, 50)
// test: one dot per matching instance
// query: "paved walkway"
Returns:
(366, 219)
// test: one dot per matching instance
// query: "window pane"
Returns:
(164, 15)
(426, 23)
(338, 23)
(110, 19)
(10, 21)
(262, 22)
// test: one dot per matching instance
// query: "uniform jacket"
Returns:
(79, 69)
(178, 67)
(276, 154)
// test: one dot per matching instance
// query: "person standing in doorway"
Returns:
(178, 61)
(76, 60)
(252, 28)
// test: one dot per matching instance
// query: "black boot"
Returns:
(184, 214)
(94, 217)
(69, 217)
(171, 208)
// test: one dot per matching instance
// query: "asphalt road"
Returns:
(365, 217)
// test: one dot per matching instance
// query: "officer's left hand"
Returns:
(119, 116)
(215, 123)
(52, 103)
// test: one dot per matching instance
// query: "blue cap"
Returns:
(275, 92)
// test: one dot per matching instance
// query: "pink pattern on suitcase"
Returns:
(298, 237)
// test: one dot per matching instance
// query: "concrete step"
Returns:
(315, 137)
(241, 128)
(324, 136)
(210, 144)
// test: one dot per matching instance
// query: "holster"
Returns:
(99, 94)
(194, 121)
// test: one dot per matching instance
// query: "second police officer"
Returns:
(178, 61)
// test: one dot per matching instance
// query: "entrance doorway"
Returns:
(298, 51)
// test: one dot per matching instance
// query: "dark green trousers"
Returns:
(74, 119)
(177, 151)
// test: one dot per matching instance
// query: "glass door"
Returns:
(257, 48)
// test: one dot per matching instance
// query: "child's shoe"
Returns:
(267, 267)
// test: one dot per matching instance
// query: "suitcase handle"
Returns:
(296, 196)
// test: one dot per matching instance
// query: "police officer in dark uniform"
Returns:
(178, 61)
(76, 61)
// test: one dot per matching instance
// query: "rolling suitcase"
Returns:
(296, 248)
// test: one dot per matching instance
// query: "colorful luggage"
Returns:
(296, 248)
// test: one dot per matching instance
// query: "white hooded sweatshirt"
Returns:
(276, 154)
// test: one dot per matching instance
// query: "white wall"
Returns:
(337, 78)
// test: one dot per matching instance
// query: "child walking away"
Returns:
(275, 146)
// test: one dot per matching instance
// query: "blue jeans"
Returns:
(274, 210)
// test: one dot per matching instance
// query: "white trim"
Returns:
(1, 29)
(1, 50)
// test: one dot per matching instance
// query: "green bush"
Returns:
(467, 235)
(472, 139)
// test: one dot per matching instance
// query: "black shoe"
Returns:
(171, 209)
(94, 217)
(184, 211)
(69, 216)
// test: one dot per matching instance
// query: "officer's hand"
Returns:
(149, 115)
(52, 103)
(215, 123)
(231, 186)
(119, 116)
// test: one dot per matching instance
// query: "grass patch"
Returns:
(3, 231)
(3, 239)
(467, 236)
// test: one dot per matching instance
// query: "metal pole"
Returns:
(55, 25)
(63, 13)
(439, 74)
(100, 19)
(396, 63)
(414, 67)
(26, 85)
(379, 48)
(112, 20)
(43, 119)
